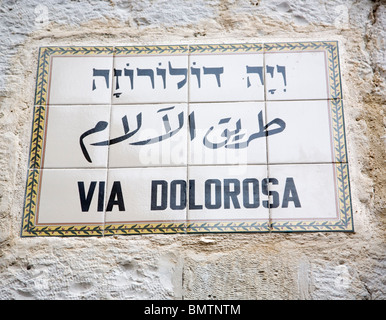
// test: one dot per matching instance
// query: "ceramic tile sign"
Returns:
(187, 139)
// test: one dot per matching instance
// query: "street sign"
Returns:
(188, 139)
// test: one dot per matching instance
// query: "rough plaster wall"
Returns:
(225, 266)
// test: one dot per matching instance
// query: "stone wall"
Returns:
(208, 266)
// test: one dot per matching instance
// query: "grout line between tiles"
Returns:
(266, 137)
(187, 149)
(198, 165)
(107, 172)
(105, 202)
(108, 147)
(187, 163)
(266, 141)
(179, 102)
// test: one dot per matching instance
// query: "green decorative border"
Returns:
(338, 131)
(345, 223)
(226, 48)
(150, 50)
(144, 228)
(219, 227)
(29, 228)
(37, 136)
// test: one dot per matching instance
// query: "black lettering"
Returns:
(231, 194)
(192, 196)
(256, 198)
(290, 194)
(116, 197)
(212, 193)
(101, 196)
(164, 194)
(208, 196)
(173, 195)
(85, 202)
(265, 190)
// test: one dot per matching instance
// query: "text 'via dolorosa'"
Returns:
(215, 194)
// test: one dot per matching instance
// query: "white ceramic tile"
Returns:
(226, 77)
(147, 195)
(80, 80)
(227, 193)
(227, 133)
(70, 134)
(303, 192)
(71, 196)
(296, 75)
(306, 137)
(148, 135)
(150, 78)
